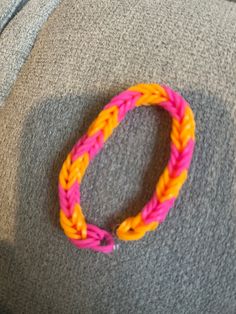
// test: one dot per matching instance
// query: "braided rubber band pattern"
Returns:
(72, 220)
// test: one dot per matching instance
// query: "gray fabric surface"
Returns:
(8, 9)
(87, 52)
(20, 22)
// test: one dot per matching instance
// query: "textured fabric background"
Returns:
(87, 52)
(8, 9)
(20, 22)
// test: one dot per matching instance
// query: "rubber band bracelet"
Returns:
(72, 220)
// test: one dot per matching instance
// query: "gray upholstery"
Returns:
(20, 22)
(87, 52)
